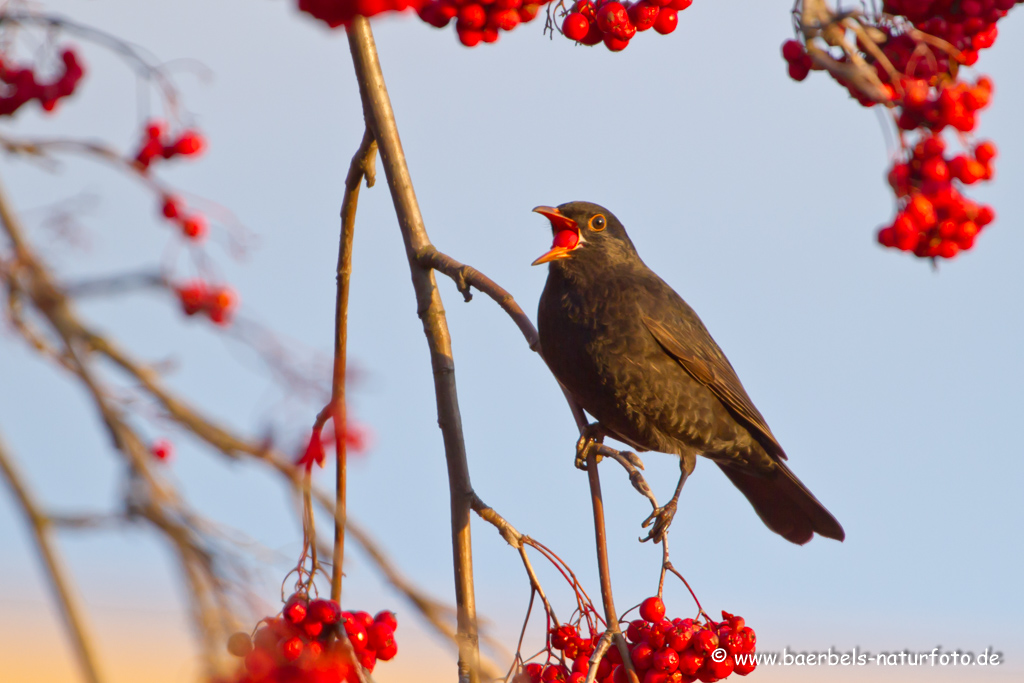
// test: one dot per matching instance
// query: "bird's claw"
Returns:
(661, 518)
(588, 442)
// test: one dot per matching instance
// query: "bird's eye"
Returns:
(598, 223)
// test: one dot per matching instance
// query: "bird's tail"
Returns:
(785, 505)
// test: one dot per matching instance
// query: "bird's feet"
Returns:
(660, 519)
(591, 438)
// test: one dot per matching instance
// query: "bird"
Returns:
(636, 357)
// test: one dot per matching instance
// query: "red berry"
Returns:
(611, 16)
(296, 608)
(614, 44)
(666, 659)
(356, 634)
(642, 655)
(326, 611)
(690, 662)
(189, 143)
(291, 649)
(162, 449)
(705, 641)
(575, 26)
(171, 206)
(798, 71)
(472, 16)
(155, 129)
(792, 50)
(388, 652)
(985, 152)
(379, 635)
(643, 15)
(387, 618)
(652, 609)
(469, 37)
(194, 227)
(667, 21)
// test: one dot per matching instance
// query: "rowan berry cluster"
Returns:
(21, 86)
(192, 225)
(304, 644)
(480, 22)
(935, 219)
(337, 13)
(799, 61)
(615, 23)
(662, 651)
(925, 43)
(157, 145)
(217, 303)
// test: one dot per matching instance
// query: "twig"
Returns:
(603, 643)
(362, 166)
(381, 120)
(517, 541)
(59, 580)
(467, 276)
(611, 616)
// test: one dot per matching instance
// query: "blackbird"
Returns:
(635, 356)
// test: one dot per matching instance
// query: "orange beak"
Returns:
(567, 235)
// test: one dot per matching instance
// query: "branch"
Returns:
(467, 276)
(611, 616)
(381, 120)
(60, 582)
(362, 166)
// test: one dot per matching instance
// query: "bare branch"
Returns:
(381, 120)
(60, 581)
(362, 166)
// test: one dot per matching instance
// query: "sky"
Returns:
(893, 386)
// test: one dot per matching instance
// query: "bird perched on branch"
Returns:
(635, 356)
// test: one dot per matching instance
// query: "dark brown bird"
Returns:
(637, 358)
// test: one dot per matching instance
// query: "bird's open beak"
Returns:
(567, 235)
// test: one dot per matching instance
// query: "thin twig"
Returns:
(362, 166)
(611, 616)
(60, 581)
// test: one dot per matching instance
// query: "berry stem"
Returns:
(380, 119)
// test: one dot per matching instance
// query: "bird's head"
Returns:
(584, 233)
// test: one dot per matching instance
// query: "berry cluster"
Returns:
(157, 145)
(20, 84)
(615, 23)
(479, 22)
(662, 651)
(936, 220)
(337, 13)
(304, 644)
(967, 25)
(921, 81)
(192, 225)
(217, 303)
(797, 58)
(356, 438)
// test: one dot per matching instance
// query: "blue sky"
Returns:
(894, 388)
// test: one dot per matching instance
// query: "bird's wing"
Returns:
(705, 362)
